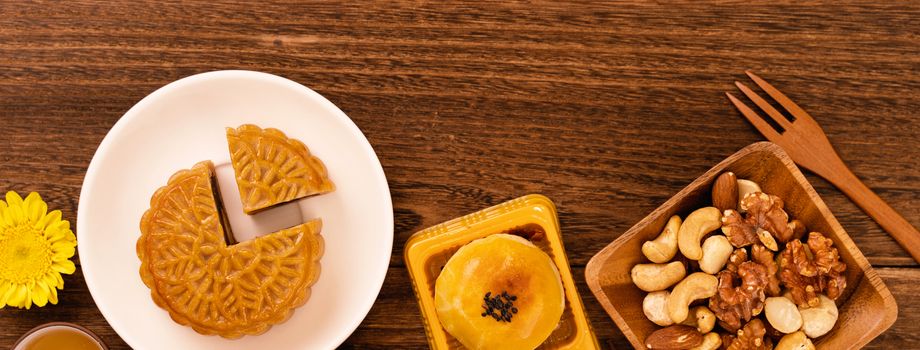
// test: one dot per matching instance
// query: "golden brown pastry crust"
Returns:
(272, 169)
(229, 291)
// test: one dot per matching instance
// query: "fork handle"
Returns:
(889, 219)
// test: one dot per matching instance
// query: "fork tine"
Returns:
(790, 106)
(766, 107)
(765, 128)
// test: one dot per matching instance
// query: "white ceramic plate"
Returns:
(183, 123)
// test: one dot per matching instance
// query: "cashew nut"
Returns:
(702, 318)
(698, 285)
(744, 187)
(794, 341)
(818, 320)
(716, 250)
(697, 225)
(663, 248)
(655, 307)
(782, 314)
(655, 277)
(711, 341)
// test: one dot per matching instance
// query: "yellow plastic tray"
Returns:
(427, 251)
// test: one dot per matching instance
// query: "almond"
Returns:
(673, 338)
(725, 191)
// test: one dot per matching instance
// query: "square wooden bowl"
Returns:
(866, 307)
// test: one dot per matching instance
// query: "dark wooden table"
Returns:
(607, 109)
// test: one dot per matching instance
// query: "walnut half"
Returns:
(736, 304)
(751, 337)
(763, 256)
(811, 269)
(765, 216)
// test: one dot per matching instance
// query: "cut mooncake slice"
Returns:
(272, 169)
(499, 292)
(215, 288)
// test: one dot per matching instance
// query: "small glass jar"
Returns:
(59, 335)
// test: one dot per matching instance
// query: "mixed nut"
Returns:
(747, 276)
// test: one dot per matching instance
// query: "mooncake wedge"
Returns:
(272, 168)
(215, 288)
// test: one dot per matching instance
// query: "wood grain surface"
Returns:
(607, 108)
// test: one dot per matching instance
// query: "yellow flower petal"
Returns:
(52, 217)
(52, 296)
(63, 226)
(58, 232)
(34, 208)
(15, 207)
(6, 289)
(4, 221)
(13, 199)
(54, 236)
(58, 280)
(40, 294)
(65, 255)
(49, 279)
(5, 298)
(64, 266)
(62, 250)
(14, 216)
(17, 298)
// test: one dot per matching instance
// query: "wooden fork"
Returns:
(808, 146)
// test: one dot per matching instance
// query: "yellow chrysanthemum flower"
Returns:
(35, 249)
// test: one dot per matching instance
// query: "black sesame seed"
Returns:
(499, 306)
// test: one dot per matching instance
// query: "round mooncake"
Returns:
(499, 292)
(213, 287)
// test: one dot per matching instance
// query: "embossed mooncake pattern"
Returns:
(230, 291)
(272, 168)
